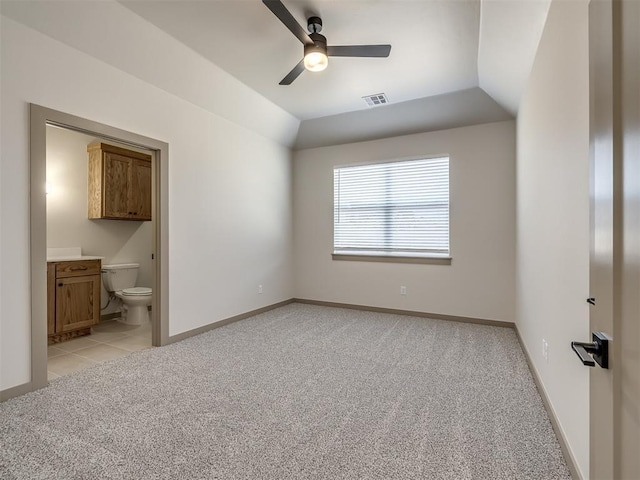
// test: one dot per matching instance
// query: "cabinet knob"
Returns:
(60, 284)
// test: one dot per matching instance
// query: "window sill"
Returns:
(353, 257)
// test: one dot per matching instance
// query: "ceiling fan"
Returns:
(316, 49)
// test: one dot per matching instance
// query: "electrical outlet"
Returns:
(546, 353)
(259, 288)
(403, 290)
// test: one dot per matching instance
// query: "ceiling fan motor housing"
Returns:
(319, 44)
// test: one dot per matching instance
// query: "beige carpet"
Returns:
(298, 392)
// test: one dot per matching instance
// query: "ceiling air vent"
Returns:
(377, 99)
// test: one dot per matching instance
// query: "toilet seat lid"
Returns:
(137, 291)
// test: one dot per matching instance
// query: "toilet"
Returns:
(120, 280)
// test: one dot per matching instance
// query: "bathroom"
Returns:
(116, 331)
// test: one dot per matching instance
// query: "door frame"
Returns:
(40, 117)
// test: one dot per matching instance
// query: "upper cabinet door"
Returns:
(117, 185)
(141, 189)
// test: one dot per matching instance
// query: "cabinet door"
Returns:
(77, 302)
(116, 185)
(141, 189)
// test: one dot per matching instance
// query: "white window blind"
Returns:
(396, 208)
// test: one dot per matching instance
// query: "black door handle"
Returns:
(594, 352)
(581, 351)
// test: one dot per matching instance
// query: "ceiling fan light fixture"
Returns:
(316, 61)
(315, 58)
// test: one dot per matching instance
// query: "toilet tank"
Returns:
(119, 276)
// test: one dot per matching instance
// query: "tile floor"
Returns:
(108, 340)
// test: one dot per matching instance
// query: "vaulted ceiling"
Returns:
(439, 48)
(434, 48)
(452, 63)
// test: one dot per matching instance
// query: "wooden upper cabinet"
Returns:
(119, 183)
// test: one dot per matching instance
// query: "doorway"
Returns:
(42, 120)
(84, 252)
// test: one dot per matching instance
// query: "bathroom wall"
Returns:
(118, 241)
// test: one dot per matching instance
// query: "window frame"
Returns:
(391, 257)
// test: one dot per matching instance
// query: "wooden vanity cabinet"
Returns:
(119, 183)
(73, 298)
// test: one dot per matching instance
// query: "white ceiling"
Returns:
(434, 47)
(453, 62)
(509, 35)
(446, 56)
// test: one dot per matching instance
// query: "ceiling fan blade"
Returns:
(359, 50)
(280, 11)
(293, 74)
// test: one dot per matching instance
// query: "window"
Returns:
(395, 209)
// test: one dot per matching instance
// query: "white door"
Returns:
(614, 43)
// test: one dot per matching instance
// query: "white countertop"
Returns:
(71, 258)
(68, 254)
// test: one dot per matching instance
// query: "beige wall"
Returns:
(118, 241)
(480, 281)
(229, 212)
(553, 218)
